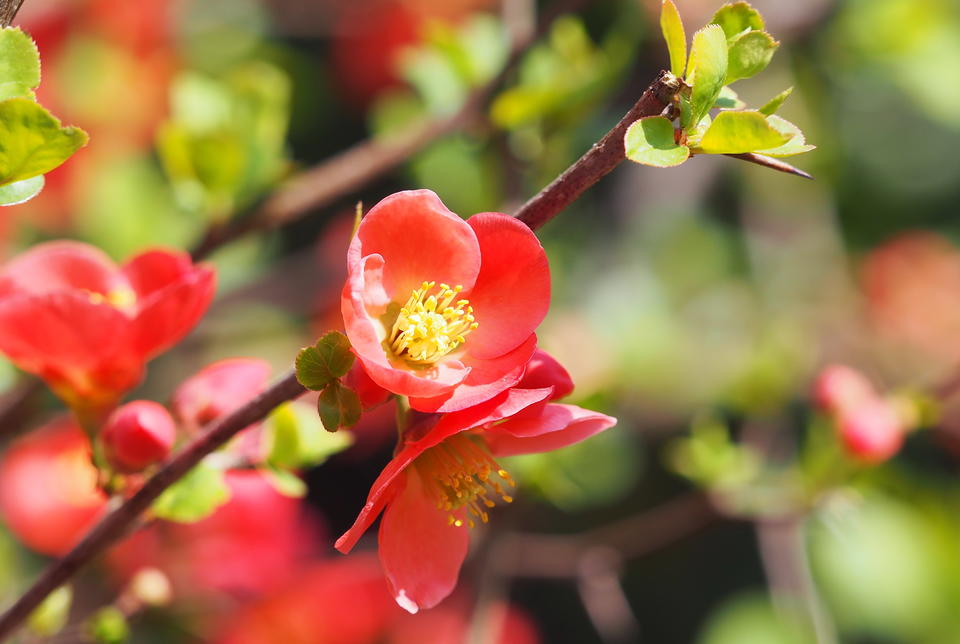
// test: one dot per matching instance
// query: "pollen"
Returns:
(460, 473)
(431, 324)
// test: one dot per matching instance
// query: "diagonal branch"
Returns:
(8, 11)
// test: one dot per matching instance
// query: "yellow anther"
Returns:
(429, 325)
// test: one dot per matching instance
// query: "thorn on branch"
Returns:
(772, 163)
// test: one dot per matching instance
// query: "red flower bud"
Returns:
(872, 432)
(839, 388)
(137, 435)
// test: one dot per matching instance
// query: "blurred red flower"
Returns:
(88, 326)
(255, 543)
(48, 488)
(444, 478)
(440, 309)
(218, 389)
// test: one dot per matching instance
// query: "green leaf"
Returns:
(285, 482)
(330, 358)
(109, 626)
(650, 141)
(294, 437)
(21, 191)
(796, 144)
(676, 37)
(339, 406)
(707, 70)
(729, 100)
(19, 64)
(749, 54)
(32, 142)
(738, 132)
(194, 497)
(51, 615)
(774, 103)
(696, 134)
(736, 17)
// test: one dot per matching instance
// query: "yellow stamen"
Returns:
(430, 326)
(458, 473)
(123, 299)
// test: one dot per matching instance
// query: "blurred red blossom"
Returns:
(444, 478)
(88, 326)
(347, 602)
(48, 488)
(218, 389)
(440, 309)
(911, 285)
(871, 427)
(137, 435)
(253, 544)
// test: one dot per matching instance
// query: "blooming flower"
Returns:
(440, 309)
(445, 479)
(87, 326)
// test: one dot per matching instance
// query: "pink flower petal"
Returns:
(512, 292)
(420, 552)
(544, 370)
(168, 314)
(558, 426)
(419, 240)
(63, 266)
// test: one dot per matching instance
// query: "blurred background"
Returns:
(696, 304)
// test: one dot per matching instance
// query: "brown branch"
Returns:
(114, 525)
(605, 155)
(8, 11)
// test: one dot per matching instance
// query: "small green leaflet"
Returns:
(650, 141)
(672, 27)
(707, 71)
(194, 497)
(21, 191)
(736, 17)
(338, 406)
(329, 359)
(749, 54)
(34, 142)
(771, 106)
(797, 144)
(736, 132)
(19, 64)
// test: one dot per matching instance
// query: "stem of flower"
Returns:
(8, 11)
(605, 155)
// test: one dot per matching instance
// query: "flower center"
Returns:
(431, 325)
(460, 473)
(123, 299)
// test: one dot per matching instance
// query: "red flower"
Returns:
(445, 478)
(87, 326)
(48, 488)
(137, 435)
(440, 309)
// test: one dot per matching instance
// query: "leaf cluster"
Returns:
(321, 368)
(733, 47)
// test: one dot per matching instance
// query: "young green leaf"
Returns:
(19, 64)
(294, 437)
(108, 626)
(736, 17)
(339, 406)
(749, 54)
(21, 191)
(729, 100)
(672, 27)
(706, 71)
(194, 497)
(774, 103)
(52, 614)
(330, 358)
(796, 144)
(34, 143)
(285, 482)
(738, 132)
(650, 141)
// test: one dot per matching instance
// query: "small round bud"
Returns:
(138, 435)
(872, 432)
(840, 388)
